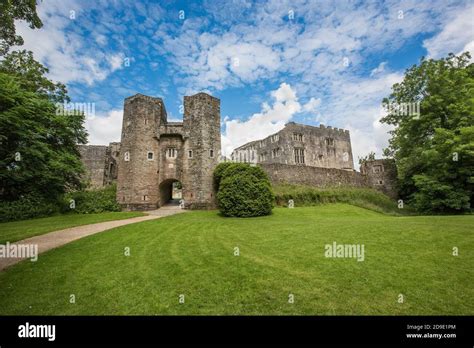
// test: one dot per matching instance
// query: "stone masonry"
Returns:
(154, 154)
(381, 175)
(302, 145)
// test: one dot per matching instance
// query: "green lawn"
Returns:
(193, 254)
(18, 230)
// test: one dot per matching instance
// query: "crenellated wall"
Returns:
(298, 144)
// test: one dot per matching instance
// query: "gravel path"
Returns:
(56, 239)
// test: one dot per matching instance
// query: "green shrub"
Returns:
(27, 207)
(219, 172)
(93, 201)
(243, 190)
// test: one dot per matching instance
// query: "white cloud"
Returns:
(312, 105)
(104, 129)
(312, 48)
(457, 34)
(269, 120)
(116, 62)
(379, 69)
(65, 52)
(101, 39)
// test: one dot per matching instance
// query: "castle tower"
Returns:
(201, 127)
(138, 163)
(381, 175)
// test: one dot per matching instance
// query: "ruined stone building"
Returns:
(100, 162)
(301, 145)
(381, 174)
(155, 154)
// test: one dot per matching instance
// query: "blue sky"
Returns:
(270, 62)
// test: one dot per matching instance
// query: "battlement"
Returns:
(335, 129)
(145, 99)
(321, 128)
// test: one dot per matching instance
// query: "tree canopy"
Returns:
(11, 11)
(38, 152)
(434, 146)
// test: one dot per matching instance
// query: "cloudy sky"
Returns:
(270, 62)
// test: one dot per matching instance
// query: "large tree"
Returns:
(32, 75)
(434, 148)
(38, 144)
(11, 10)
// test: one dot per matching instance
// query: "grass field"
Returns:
(18, 230)
(193, 254)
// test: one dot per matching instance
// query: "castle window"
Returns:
(145, 198)
(329, 141)
(331, 152)
(377, 169)
(274, 138)
(190, 153)
(149, 155)
(297, 137)
(126, 156)
(276, 152)
(172, 152)
(211, 153)
(299, 156)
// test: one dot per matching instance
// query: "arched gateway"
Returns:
(155, 153)
(170, 190)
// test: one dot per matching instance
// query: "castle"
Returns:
(154, 155)
(298, 144)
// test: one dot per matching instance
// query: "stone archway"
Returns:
(168, 191)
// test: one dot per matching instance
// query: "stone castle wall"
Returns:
(137, 181)
(382, 178)
(94, 160)
(313, 176)
(202, 129)
(298, 144)
(382, 175)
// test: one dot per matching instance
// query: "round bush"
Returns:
(244, 191)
